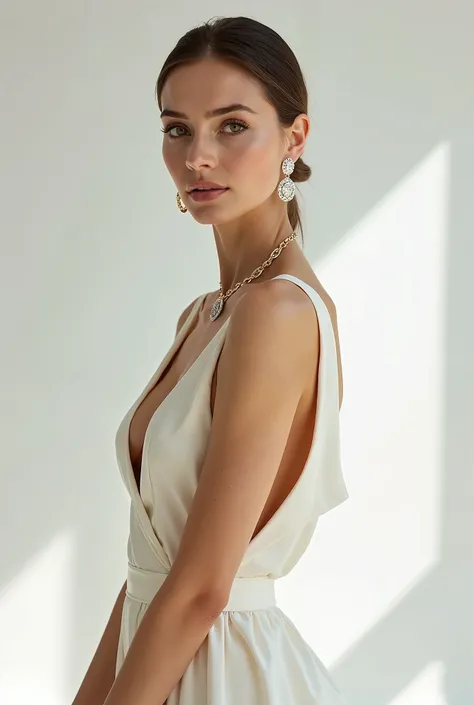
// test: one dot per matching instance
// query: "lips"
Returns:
(206, 186)
(207, 194)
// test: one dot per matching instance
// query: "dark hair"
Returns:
(262, 52)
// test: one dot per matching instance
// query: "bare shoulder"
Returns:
(274, 312)
(273, 328)
(278, 315)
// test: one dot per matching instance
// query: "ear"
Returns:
(296, 136)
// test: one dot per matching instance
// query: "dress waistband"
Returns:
(245, 594)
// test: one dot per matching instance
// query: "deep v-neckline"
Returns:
(169, 357)
(327, 367)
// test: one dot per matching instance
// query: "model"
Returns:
(231, 452)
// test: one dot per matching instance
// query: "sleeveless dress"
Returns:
(253, 654)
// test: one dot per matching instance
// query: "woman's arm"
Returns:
(101, 672)
(267, 356)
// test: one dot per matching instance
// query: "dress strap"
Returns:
(303, 285)
(329, 488)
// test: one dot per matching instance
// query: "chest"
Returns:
(180, 362)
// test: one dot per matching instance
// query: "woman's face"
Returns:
(239, 149)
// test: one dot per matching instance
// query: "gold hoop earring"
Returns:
(181, 205)
(286, 187)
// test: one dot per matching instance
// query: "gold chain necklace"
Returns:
(218, 305)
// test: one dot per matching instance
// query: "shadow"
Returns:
(392, 82)
(434, 621)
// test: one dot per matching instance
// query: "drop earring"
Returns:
(286, 187)
(181, 205)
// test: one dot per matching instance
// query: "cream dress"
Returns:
(253, 654)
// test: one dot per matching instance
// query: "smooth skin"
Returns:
(249, 220)
(260, 386)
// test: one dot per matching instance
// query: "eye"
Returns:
(173, 127)
(242, 126)
(240, 123)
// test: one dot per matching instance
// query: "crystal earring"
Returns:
(181, 205)
(286, 187)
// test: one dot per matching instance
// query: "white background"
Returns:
(97, 263)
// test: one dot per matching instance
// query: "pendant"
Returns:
(217, 307)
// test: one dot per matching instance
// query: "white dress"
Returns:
(253, 654)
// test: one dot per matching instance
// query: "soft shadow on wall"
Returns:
(389, 90)
(404, 83)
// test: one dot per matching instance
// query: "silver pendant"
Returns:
(217, 307)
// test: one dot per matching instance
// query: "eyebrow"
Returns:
(211, 113)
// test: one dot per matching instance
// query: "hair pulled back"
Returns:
(262, 52)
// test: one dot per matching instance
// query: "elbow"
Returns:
(210, 603)
(195, 594)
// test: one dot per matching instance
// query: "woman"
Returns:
(231, 452)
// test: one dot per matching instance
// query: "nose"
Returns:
(201, 154)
